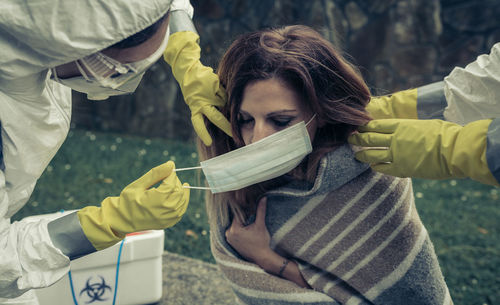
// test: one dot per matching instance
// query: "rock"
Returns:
(414, 61)
(355, 15)
(377, 6)
(460, 52)
(472, 16)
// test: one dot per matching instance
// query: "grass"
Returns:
(462, 219)
(460, 215)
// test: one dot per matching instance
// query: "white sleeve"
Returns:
(473, 92)
(181, 16)
(183, 5)
(28, 258)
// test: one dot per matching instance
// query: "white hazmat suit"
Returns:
(35, 114)
(434, 149)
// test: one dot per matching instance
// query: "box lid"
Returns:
(136, 246)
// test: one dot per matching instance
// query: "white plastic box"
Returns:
(93, 277)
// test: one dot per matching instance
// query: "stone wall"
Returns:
(397, 44)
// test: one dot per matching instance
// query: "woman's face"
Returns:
(269, 106)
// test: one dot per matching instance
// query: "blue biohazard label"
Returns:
(96, 291)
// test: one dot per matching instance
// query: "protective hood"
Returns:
(40, 34)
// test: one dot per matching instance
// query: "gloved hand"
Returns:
(431, 149)
(139, 207)
(400, 105)
(199, 84)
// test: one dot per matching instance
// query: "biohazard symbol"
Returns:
(95, 291)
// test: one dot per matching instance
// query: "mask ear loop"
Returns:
(310, 120)
(192, 187)
(196, 187)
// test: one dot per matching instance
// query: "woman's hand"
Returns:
(252, 241)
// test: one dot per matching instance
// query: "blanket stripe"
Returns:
(349, 226)
(297, 218)
(333, 221)
(398, 273)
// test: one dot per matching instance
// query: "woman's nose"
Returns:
(260, 131)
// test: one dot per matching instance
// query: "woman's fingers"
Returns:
(260, 218)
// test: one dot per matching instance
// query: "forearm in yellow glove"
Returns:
(401, 105)
(425, 102)
(139, 207)
(199, 84)
(431, 149)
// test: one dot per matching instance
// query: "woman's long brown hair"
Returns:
(304, 61)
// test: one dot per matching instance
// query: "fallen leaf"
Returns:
(482, 230)
(192, 234)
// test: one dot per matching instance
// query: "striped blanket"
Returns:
(355, 235)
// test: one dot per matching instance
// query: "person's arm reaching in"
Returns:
(431, 149)
(199, 84)
(37, 254)
(438, 150)
(426, 102)
(140, 206)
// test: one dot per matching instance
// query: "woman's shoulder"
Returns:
(336, 169)
(378, 181)
(340, 168)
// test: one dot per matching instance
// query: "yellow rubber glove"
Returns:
(400, 105)
(139, 207)
(431, 149)
(200, 86)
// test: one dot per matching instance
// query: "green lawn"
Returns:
(460, 215)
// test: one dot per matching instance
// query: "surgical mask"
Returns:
(108, 77)
(263, 160)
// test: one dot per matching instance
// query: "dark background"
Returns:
(397, 44)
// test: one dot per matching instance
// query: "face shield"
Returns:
(103, 76)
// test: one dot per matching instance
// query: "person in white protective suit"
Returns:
(101, 48)
(448, 129)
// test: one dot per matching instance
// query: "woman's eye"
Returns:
(282, 122)
(244, 121)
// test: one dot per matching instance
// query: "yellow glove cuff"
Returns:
(199, 84)
(401, 105)
(186, 43)
(193, 77)
(469, 153)
(95, 227)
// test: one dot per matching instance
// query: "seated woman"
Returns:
(331, 231)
